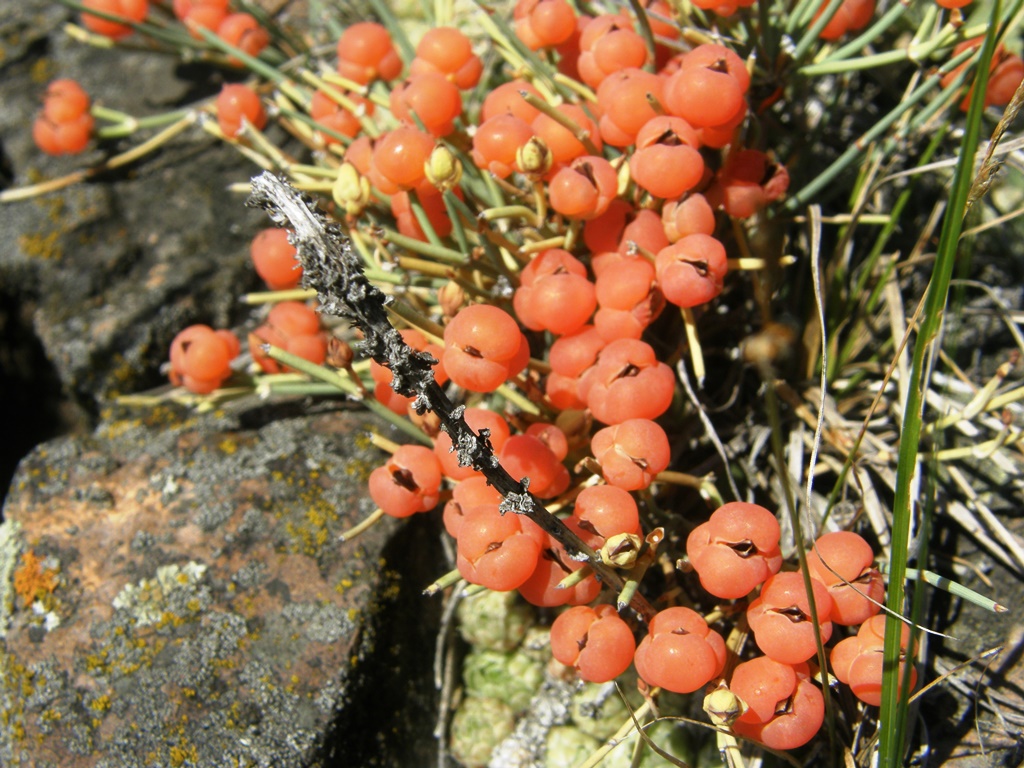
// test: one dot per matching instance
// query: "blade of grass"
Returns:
(893, 724)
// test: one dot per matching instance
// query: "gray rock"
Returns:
(155, 635)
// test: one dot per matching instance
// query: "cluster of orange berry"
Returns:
(626, 164)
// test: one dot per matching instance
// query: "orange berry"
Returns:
(543, 23)
(447, 51)
(365, 53)
(243, 32)
(507, 99)
(432, 98)
(235, 103)
(497, 141)
(274, 259)
(132, 10)
(399, 156)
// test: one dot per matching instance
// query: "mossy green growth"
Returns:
(496, 621)
(512, 677)
(568, 746)
(478, 726)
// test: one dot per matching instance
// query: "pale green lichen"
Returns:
(173, 586)
(9, 548)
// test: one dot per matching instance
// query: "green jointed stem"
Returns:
(892, 730)
(857, 148)
(341, 382)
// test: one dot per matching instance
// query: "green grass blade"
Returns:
(893, 724)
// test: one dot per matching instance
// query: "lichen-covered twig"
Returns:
(331, 267)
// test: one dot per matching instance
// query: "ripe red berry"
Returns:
(498, 551)
(132, 10)
(584, 188)
(235, 104)
(851, 16)
(507, 99)
(429, 96)
(609, 44)
(781, 621)
(274, 259)
(554, 565)
(483, 348)
(666, 162)
(629, 299)
(242, 31)
(330, 114)
(691, 271)
(433, 206)
(857, 661)
(472, 492)
(554, 293)
(201, 358)
(842, 561)
(747, 182)
(603, 511)
(409, 482)
(786, 708)
(632, 453)
(564, 146)
(399, 157)
(526, 456)
(207, 14)
(496, 142)
(596, 641)
(627, 382)
(293, 327)
(543, 23)
(693, 215)
(736, 550)
(65, 124)
(680, 652)
(447, 51)
(365, 53)
(64, 100)
(706, 94)
(625, 107)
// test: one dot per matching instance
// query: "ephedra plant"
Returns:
(618, 274)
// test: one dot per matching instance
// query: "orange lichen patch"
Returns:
(31, 580)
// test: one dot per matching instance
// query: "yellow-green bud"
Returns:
(621, 550)
(723, 706)
(451, 297)
(534, 158)
(351, 189)
(443, 169)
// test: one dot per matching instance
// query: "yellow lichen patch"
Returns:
(41, 246)
(100, 703)
(31, 581)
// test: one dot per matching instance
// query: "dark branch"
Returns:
(330, 266)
